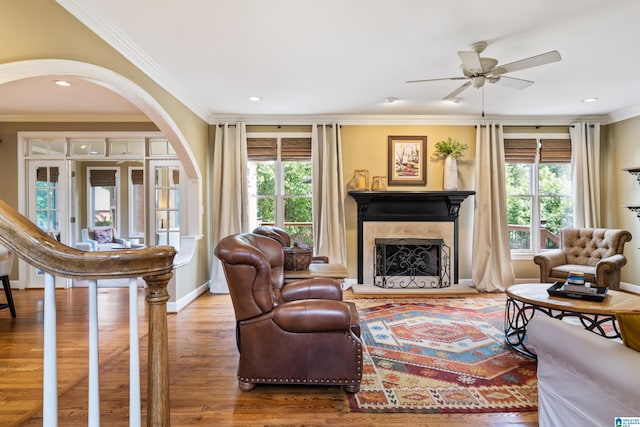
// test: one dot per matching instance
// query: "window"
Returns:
(136, 202)
(539, 189)
(167, 205)
(103, 197)
(280, 190)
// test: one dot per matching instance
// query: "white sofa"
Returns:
(583, 378)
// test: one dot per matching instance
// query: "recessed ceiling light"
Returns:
(255, 98)
(62, 83)
(590, 99)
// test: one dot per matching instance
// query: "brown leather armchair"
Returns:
(596, 252)
(295, 333)
(283, 237)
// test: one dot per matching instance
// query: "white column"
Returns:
(50, 374)
(94, 381)
(134, 356)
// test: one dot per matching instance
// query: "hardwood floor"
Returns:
(203, 360)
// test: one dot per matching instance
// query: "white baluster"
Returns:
(94, 381)
(50, 374)
(134, 356)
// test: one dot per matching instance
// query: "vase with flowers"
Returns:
(450, 150)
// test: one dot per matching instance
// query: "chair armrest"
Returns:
(118, 240)
(94, 244)
(320, 288)
(612, 263)
(84, 246)
(315, 315)
(550, 259)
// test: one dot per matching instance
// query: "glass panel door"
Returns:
(47, 207)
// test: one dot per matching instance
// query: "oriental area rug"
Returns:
(441, 355)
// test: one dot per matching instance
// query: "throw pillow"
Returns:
(629, 324)
(103, 235)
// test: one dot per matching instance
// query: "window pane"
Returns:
(266, 210)
(518, 178)
(297, 219)
(265, 178)
(297, 178)
(519, 220)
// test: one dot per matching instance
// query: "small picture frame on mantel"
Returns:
(407, 160)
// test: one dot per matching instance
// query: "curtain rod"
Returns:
(278, 126)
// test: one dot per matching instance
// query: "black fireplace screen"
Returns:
(416, 263)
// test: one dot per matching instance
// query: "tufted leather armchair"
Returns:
(295, 333)
(596, 252)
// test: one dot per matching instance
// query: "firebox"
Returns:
(411, 263)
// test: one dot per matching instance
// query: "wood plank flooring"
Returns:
(202, 359)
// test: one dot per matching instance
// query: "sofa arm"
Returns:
(583, 378)
(118, 241)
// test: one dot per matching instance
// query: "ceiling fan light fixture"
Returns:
(255, 98)
(477, 81)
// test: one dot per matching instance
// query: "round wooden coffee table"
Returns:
(523, 301)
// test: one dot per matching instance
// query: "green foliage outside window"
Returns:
(297, 197)
(556, 203)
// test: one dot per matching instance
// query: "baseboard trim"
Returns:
(175, 307)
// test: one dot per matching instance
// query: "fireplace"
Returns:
(411, 263)
(406, 214)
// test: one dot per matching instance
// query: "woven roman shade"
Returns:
(291, 149)
(102, 177)
(41, 174)
(524, 150)
(137, 177)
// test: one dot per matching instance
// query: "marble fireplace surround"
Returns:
(398, 214)
(373, 230)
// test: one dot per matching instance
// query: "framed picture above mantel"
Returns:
(407, 160)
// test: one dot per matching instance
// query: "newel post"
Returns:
(158, 402)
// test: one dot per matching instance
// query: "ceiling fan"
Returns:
(478, 70)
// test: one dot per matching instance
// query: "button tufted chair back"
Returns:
(588, 246)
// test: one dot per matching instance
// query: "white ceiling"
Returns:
(337, 57)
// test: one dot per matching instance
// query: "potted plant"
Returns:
(450, 147)
(449, 150)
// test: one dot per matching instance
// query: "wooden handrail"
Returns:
(154, 265)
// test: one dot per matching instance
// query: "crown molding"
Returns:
(75, 118)
(386, 120)
(114, 36)
(625, 113)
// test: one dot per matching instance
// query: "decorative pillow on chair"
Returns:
(629, 324)
(103, 235)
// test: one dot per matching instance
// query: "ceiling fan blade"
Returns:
(533, 61)
(511, 82)
(457, 91)
(435, 80)
(470, 61)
